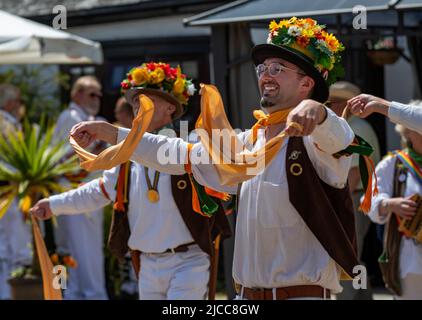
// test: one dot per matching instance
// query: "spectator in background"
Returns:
(81, 236)
(15, 234)
(340, 93)
(408, 115)
(123, 113)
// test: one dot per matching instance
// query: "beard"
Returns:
(267, 102)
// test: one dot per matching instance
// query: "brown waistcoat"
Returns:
(203, 229)
(326, 210)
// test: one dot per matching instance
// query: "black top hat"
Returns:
(263, 51)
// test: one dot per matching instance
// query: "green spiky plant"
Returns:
(31, 165)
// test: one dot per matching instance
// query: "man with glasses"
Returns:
(295, 234)
(81, 236)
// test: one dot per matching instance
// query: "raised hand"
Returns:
(86, 132)
(365, 104)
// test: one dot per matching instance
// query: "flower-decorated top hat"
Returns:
(159, 79)
(306, 44)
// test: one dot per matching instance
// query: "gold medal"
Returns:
(153, 195)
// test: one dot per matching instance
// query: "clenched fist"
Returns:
(42, 210)
(303, 119)
(86, 132)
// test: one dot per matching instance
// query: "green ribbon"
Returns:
(363, 149)
(414, 155)
(208, 206)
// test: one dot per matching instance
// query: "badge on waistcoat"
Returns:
(295, 155)
(182, 184)
(295, 168)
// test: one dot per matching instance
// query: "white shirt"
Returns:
(273, 245)
(410, 254)
(155, 227)
(409, 116)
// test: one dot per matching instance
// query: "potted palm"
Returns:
(31, 164)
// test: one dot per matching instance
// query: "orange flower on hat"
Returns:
(303, 41)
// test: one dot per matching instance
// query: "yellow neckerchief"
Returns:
(265, 120)
(234, 163)
(119, 153)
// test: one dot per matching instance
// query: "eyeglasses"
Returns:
(274, 69)
(95, 95)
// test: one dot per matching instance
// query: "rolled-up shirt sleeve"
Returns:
(409, 116)
(331, 136)
(385, 176)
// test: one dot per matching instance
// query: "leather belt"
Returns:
(181, 248)
(136, 255)
(304, 291)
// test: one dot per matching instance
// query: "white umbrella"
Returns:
(23, 41)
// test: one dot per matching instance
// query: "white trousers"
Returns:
(82, 237)
(411, 287)
(15, 246)
(174, 276)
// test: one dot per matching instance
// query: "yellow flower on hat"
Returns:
(139, 76)
(273, 26)
(160, 74)
(309, 33)
(154, 77)
(179, 86)
(332, 42)
(284, 23)
(293, 20)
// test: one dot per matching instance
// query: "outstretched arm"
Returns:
(86, 198)
(408, 115)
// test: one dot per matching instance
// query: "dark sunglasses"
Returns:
(95, 95)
